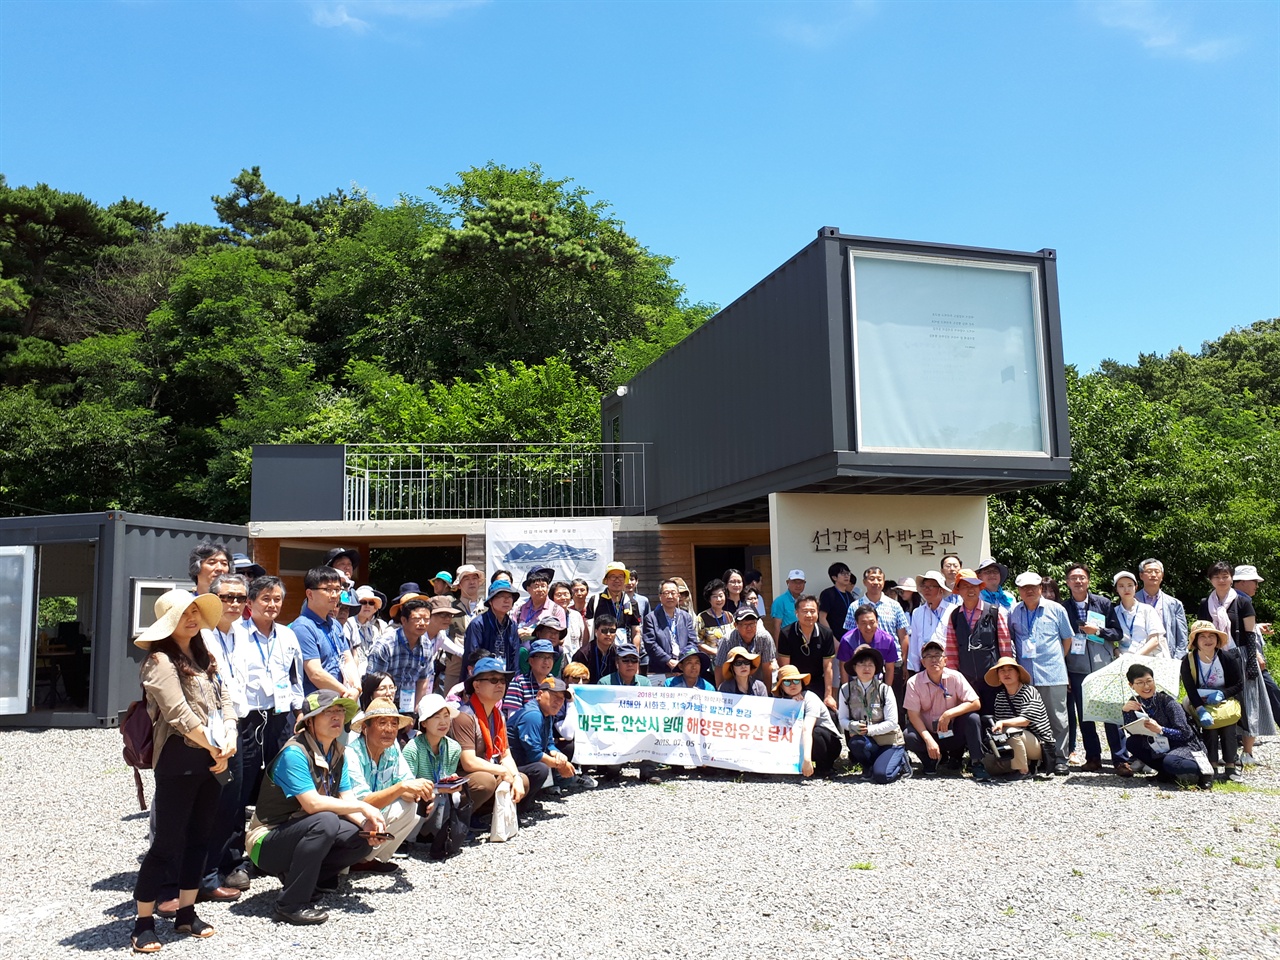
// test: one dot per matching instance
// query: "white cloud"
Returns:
(1160, 28)
(830, 30)
(345, 14)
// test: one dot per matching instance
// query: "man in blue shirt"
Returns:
(495, 629)
(533, 741)
(893, 619)
(405, 655)
(308, 824)
(326, 656)
(783, 610)
(1042, 634)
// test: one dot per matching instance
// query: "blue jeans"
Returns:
(1168, 768)
(1088, 730)
(883, 764)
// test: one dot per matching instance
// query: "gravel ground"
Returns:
(724, 866)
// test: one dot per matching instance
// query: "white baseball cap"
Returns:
(796, 575)
(1029, 579)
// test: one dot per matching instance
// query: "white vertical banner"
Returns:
(572, 548)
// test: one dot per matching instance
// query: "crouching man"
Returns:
(382, 779)
(309, 825)
(943, 710)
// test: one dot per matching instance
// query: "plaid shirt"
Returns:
(393, 655)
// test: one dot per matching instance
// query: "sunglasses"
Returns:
(232, 597)
(791, 683)
(368, 603)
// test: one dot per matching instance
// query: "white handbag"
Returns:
(504, 824)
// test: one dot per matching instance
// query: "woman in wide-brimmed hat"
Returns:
(735, 674)
(1022, 720)
(1213, 674)
(819, 738)
(1231, 611)
(194, 735)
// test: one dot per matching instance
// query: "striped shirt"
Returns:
(1025, 703)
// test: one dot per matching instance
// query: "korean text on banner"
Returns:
(685, 726)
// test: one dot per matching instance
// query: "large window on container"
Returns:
(948, 355)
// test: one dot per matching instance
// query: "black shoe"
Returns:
(1061, 770)
(327, 884)
(302, 916)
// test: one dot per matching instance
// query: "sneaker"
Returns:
(1235, 774)
(1246, 760)
(980, 774)
(1140, 767)
(584, 781)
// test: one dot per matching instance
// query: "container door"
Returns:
(17, 625)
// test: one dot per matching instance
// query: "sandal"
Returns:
(189, 925)
(146, 941)
(196, 928)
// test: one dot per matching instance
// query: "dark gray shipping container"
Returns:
(761, 398)
(99, 559)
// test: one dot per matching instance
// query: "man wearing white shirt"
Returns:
(1172, 613)
(265, 663)
(927, 618)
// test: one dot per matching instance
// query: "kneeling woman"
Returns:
(1021, 715)
(819, 738)
(869, 719)
(1172, 749)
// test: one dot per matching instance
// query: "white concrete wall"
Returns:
(905, 535)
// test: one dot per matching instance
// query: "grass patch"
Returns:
(1008, 911)
(1077, 872)
(1126, 795)
(1242, 862)
(1101, 934)
(819, 926)
(1228, 786)
(1162, 892)
(1210, 852)
(862, 865)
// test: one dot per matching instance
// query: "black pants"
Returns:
(262, 735)
(826, 749)
(226, 835)
(968, 736)
(309, 849)
(185, 800)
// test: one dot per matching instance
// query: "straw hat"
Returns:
(380, 707)
(790, 672)
(992, 675)
(170, 607)
(1204, 626)
(726, 669)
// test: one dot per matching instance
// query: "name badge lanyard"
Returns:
(266, 656)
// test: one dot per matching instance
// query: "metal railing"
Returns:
(413, 481)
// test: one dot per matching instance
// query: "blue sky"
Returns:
(1139, 139)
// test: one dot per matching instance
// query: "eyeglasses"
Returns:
(499, 680)
(932, 656)
(232, 597)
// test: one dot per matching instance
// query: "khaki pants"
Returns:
(1026, 747)
(402, 822)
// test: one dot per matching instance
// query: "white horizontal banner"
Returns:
(686, 726)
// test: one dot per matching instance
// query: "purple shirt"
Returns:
(850, 642)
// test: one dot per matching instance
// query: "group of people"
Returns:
(350, 735)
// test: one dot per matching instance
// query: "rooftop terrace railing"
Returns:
(493, 480)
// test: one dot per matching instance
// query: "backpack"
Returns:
(449, 823)
(139, 742)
